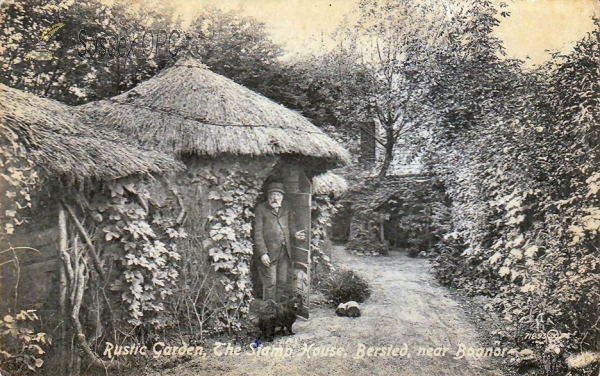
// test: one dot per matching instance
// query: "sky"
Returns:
(303, 26)
(538, 25)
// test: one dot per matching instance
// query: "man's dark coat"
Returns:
(272, 230)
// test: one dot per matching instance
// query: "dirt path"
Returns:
(406, 307)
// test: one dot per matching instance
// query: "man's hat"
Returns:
(276, 187)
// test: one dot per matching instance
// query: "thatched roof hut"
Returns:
(233, 142)
(40, 223)
(61, 144)
(187, 109)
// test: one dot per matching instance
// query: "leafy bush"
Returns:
(324, 208)
(525, 205)
(397, 212)
(365, 237)
(21, 346)
(344, 285)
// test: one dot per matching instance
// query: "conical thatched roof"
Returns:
(60, 144)
(187, 109)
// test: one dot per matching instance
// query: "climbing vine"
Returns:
(18, 173)
(325, 209)
(229, 244)
(143, 245)
(22, 346)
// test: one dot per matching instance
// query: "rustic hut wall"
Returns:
(198, 197)
(29, 275)
(188, 196)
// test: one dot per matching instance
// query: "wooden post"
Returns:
(298, 195)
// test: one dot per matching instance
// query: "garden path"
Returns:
(407, 306)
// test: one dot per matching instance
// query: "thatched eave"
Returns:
(61, 144)
(329, 183)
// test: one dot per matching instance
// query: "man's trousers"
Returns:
(274, 277)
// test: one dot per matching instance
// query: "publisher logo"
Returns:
(41, 52)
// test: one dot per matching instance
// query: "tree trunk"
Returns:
(390, 141)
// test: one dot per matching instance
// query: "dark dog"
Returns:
(267, 320)
(279, 315)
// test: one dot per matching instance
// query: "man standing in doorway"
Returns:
(272, 242)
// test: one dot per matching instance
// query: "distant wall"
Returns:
(368, 145)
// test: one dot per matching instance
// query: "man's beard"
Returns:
(275, 204)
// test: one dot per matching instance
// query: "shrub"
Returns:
(524, 194)
(344, 285)
(21, 346)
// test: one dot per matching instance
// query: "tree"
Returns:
(381, 71)
(106, 49)
(86, 64)
(237, 47)
(332, 91)
(398, 40)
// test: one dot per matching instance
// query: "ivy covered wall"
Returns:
(217, 198)
(29, 271)
(139, 257)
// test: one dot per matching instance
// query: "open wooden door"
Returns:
(298, 194)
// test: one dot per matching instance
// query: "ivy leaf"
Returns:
(531, 251)
(110, 235)
(528, 288)
(517, 253)
(495, 258)
(130, 187)
(116, 190)
(504, 271)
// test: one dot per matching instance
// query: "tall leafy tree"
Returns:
(86, 63)
(105, 49)
(236, 46)
(397, 40)
(381, 71)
